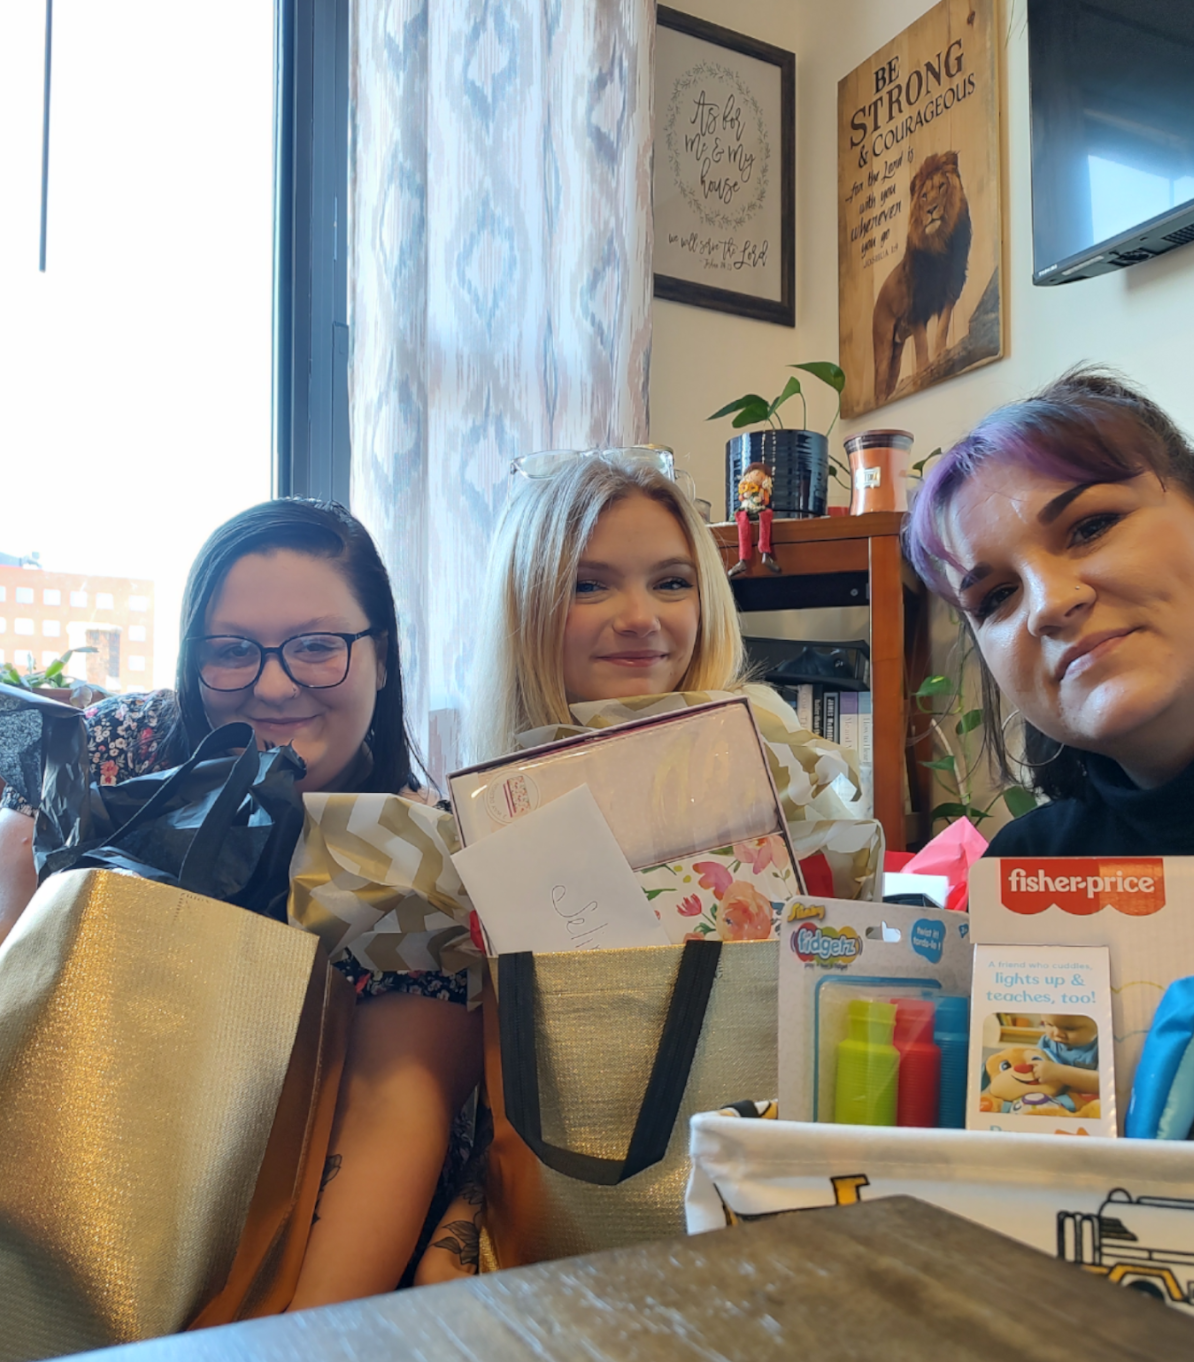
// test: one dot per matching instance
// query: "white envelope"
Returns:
(556, 880)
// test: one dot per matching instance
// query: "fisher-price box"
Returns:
(1140, 908)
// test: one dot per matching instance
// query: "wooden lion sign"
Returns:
(919, 227)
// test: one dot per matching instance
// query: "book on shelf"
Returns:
(829, 724)
(847, 719)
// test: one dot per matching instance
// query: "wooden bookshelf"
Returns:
(835, 561)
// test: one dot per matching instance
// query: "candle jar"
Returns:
(879, 462)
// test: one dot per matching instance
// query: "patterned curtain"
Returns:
(499, 282)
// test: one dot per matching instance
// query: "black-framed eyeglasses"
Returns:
(315, 661)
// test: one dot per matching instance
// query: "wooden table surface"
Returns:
(886, 1280)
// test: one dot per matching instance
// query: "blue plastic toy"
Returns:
(1162, 1105)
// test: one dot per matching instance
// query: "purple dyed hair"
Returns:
(1088, 426)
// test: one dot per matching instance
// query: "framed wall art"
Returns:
(725, 175)
(919, 221)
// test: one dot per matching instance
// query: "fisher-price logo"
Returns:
(1083, 887)
(827, 945)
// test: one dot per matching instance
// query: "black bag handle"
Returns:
(198, 865)
(665, 1088)
(195, 873)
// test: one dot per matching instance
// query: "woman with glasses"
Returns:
(288, 624)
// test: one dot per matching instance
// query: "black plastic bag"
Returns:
(223, 824)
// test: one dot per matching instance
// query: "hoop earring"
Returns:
(1032, 765)
(1040, 765)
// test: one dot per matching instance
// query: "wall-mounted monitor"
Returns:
(1112, 133)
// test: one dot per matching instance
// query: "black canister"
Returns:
(798, 462)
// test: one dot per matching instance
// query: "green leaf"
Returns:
(951, 811)
(827, 373)
(941, 764)
(791, 388)
(1019, 801)
(936, 685)
(969, 721)
(55, 669)
(655, 893)
(750, 400)
(750, 416)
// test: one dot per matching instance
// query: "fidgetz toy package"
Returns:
(846, 970)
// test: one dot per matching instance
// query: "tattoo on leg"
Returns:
(462, 1238)
(463, 1241)
(331, 1166)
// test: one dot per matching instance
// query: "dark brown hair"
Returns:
(319, 529)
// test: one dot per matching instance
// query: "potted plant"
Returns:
(798, 461)
(52, 682)
(954, 728)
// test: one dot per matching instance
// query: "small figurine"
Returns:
(754, 503)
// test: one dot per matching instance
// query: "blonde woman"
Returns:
(605, 583)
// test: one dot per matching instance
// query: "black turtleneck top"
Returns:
(1112, 817)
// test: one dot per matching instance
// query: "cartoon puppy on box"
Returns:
(1013, 1086)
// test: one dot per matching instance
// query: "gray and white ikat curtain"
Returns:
(499, 282)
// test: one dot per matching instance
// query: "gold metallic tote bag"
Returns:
(594, 1061)
(168, 1074)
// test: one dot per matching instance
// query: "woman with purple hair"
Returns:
(1062, 529)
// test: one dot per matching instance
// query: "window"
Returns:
(311, 357)
(48, 657)
(137, 633)
(23, 626)
(3, 593)
(104, 664)
(51, 629)
(136, 664)
(51, 597)
(24, 595)
(160, 228)
(104, 601)
(139, 603)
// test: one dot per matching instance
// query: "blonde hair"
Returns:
(519, 666)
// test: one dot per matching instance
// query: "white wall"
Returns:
(1138, 320)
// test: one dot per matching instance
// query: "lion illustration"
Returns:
(928, 281)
